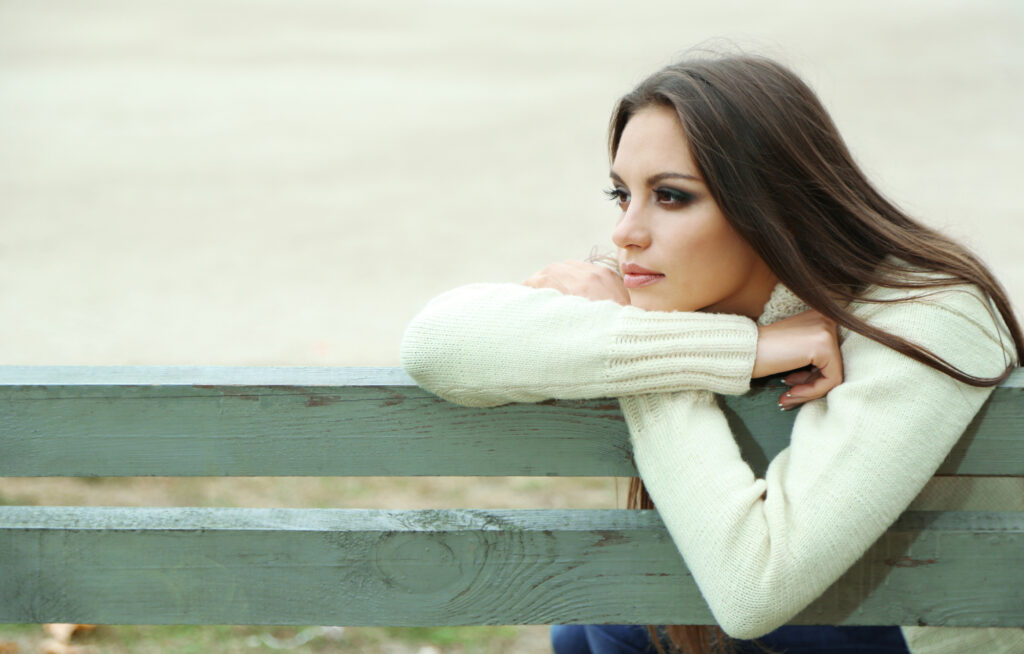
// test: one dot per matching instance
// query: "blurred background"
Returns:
(240, 182)
(266, 182)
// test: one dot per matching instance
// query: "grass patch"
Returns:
(189, 639)
(447, 636)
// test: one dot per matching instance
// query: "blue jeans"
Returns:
(635, 639)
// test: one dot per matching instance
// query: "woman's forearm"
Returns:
(490, 344)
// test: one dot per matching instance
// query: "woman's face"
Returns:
(676, 249)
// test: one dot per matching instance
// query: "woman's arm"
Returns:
(762, 549)
(490, 344)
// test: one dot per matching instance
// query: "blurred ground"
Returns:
(238, 182)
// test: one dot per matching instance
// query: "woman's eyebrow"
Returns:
(654, 179)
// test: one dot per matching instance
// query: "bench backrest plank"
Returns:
(370, 422)
(333, 566)
(361, 567)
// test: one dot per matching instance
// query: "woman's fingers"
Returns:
(813, 390)
(807, 344)
(801, 388)
(800, 377)
(581, 278)
(828, 373)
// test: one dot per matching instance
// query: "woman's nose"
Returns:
(632, 229)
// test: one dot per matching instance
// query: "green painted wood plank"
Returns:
(337, 421)
(350, 567)
(201, 375)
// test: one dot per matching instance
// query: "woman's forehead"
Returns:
(653, 142)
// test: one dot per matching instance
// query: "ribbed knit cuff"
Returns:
(654, 350)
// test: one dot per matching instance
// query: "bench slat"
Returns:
(65, 421)
(361, 567)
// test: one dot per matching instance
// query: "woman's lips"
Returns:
(634, 276)
(636, 280)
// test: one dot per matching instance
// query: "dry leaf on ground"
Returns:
(62, 632)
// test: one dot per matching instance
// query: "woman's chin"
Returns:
(652, 302)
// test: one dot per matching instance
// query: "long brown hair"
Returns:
(777, 167)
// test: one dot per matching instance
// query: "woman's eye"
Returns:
(672, 196)
(618, 196)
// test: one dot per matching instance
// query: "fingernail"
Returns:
(788, 394)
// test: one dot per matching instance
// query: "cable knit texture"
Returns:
(759, 549)
(781, 304)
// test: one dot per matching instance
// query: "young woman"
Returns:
(749, 244)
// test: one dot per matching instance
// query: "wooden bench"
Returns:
(122, 565)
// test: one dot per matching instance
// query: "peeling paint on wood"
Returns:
(322, 400)
(907, 562)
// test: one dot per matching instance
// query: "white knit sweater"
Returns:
(759, 549)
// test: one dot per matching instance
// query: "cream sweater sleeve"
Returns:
(490, 344)
(762, 549)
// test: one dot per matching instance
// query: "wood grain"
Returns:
(356, 567)
(68, 421)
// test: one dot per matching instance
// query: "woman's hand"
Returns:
(587, 280)
(807, 344)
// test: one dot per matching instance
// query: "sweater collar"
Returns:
(781, 304)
